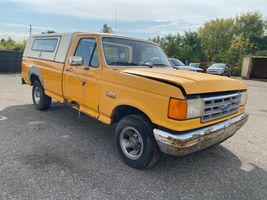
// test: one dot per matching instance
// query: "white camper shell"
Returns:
(52, 47)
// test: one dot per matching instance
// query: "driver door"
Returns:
(81, 84)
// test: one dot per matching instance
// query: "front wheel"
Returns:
(135, 142)
(40, 100)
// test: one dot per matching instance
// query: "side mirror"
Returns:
(76, 61)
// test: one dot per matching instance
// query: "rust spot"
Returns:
(198, 142)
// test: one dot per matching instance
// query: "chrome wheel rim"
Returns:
(37, 95)
(131, 143)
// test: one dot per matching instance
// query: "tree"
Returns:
(250, 24)
(171, 45)
(241, 44)
(216, 35)
(158, 39)
(106, 29)
(11, 44)
(191, 49)
(251, 27)
(186, 47)
(220, 40)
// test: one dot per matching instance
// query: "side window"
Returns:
(87, 49)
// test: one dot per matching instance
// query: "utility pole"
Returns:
(30, 30)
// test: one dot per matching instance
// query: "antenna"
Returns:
(30, 30)
(116, 16)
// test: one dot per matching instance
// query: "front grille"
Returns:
(220, 106)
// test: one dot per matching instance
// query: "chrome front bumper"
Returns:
(192, 141)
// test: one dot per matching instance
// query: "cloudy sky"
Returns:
(139, 18)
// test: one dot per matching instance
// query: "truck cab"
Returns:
(131, 82)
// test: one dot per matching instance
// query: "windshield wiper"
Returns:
(135, 64)
(147, 65)
(175, 67)
(123, 63)
(160, 65)
(128, 64)
(155, 65)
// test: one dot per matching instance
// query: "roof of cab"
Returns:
(73, 34)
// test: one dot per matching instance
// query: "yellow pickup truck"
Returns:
(131, 82)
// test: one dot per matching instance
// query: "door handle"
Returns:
(69, 70)
(86, 68)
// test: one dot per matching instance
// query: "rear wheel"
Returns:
(135, 142)
(40, 100)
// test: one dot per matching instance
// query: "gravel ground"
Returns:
(58, 155)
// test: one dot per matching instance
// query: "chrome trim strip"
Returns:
(221, 97)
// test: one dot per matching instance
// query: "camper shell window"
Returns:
(47, 45)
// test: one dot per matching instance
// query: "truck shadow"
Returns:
(60, 140)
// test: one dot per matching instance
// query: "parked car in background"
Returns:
(178, 64)
(198, 65)
(219, 69)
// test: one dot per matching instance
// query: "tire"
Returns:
(40, 100)
(135, 142)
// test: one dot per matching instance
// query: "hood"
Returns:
(193, 83)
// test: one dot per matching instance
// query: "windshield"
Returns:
(194, 65)
(177, 62)
(218, 65)
(127, 52)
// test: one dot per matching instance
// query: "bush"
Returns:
(236, 71)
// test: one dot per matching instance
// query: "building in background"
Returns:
(254, 67)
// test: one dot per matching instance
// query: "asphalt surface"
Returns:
(56, 154)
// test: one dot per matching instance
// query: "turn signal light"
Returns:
(177, 109)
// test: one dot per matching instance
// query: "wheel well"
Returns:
(34, 78)
(124, 110)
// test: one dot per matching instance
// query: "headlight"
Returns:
(181, 109)
(244, 98)
(195, 108)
